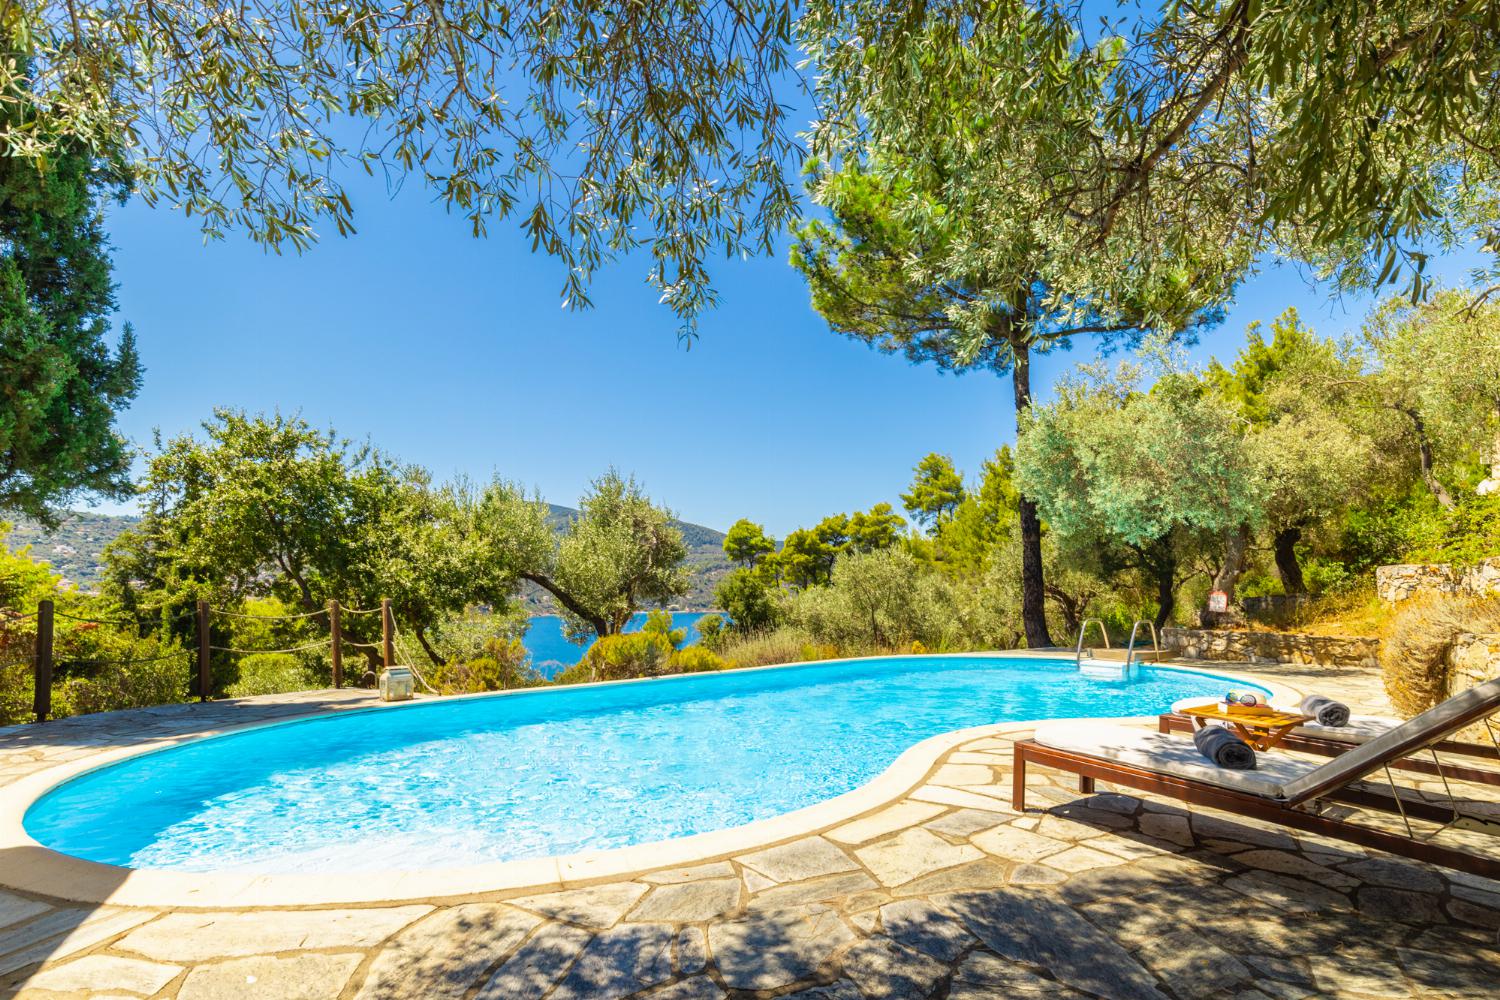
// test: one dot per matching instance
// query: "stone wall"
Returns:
(1472, 660)
(1272, 647)
(1394, 584)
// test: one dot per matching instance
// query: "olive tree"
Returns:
(1142, 473)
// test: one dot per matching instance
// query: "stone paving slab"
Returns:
(945, 894)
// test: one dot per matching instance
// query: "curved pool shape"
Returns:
(555, 771)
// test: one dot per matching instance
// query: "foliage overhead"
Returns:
(60, 382)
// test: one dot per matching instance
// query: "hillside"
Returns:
(76, 550)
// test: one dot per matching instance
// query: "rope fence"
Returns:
(44, 659)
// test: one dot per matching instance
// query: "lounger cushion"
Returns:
(1432, 725)
(1172, 755)
(1359, 729)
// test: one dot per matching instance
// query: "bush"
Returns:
(506, 664)
(695, 660)
(749, 600)
(271, 673)
(880, 600)
(712, 631)
(1414, 655)
(1469, 533)
(787, 644)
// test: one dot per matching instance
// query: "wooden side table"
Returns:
(1262, 728)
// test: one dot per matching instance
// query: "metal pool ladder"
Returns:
(1130, 649)
(1082, 630)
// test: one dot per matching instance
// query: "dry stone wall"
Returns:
(1272, 647)
(1394, 584)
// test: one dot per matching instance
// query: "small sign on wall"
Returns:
(1218, 601)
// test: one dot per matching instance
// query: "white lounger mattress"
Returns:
(1360, 729)
(1173, 755)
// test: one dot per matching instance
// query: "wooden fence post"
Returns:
(336, 638)
(41, 700)
(204, 683)
(387, 638)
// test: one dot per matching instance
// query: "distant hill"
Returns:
(76, 550)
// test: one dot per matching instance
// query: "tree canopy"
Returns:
(61, 383)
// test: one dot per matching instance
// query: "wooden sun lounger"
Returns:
(1283, 789)
(1305, 740)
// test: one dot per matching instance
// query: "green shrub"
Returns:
(695, 660)
(787, 644)
(1414, 653)
(634, 654)
(1468, 533)
(712, 631)
(749, 599)
(506, 664)
(271, 673)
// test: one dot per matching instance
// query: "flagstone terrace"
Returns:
(944, 892)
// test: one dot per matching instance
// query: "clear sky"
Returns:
(455, 353)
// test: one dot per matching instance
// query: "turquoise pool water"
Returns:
(554, 771)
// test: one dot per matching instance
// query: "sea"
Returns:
(552, 653)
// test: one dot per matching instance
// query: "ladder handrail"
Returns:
(1078, 652)
(1155, 645)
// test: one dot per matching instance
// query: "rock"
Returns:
(919, 925)
(1035, 875)
(1394, 874)
(1398, 904)
(966, 822)
(445, 953)
(715, 869)
(983, 976)
(202, 937)
(53, 936)
(1167, 826)
(1081, 859)
(768, 950)
(815, 891)
(1290, 863)
(1363, 970)
(1468, 972)
(91, 972)
(1292, 895)
(959, 775)
(1032, 927)
(688, 902)
(537, 964)
(618, 962)
(698, 988)
(896, 817)
(1192, 965)
(1014, 844)
(985, 874)
(14, 909)
(692, 951)
(597, 906)
(912, 853)
(881, 968)
(802, 859)
(265, 977)
(841, 990)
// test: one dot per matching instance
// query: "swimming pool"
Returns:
(463, 782)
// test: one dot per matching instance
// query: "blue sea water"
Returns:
(551, 652)
(555, 770)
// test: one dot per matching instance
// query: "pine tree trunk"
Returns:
(1287, 567)
(1033, 590)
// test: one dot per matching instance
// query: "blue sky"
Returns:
(455, 353)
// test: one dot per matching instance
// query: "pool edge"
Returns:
(32, 868)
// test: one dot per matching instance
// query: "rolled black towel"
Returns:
(1224, 748)
(1328, 712)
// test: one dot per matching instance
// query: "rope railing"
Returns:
(218, 613)
(43, 657)
(253, 652)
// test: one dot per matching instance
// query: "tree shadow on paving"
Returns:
(103, 729)
(36, 929)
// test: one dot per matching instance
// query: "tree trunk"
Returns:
(1166, 588)
(601, 626)
(432, 654)
(1033, 589)
(1287, 567)
(1228, 577)
(1424, 462)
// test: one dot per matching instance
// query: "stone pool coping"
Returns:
(31, 867)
